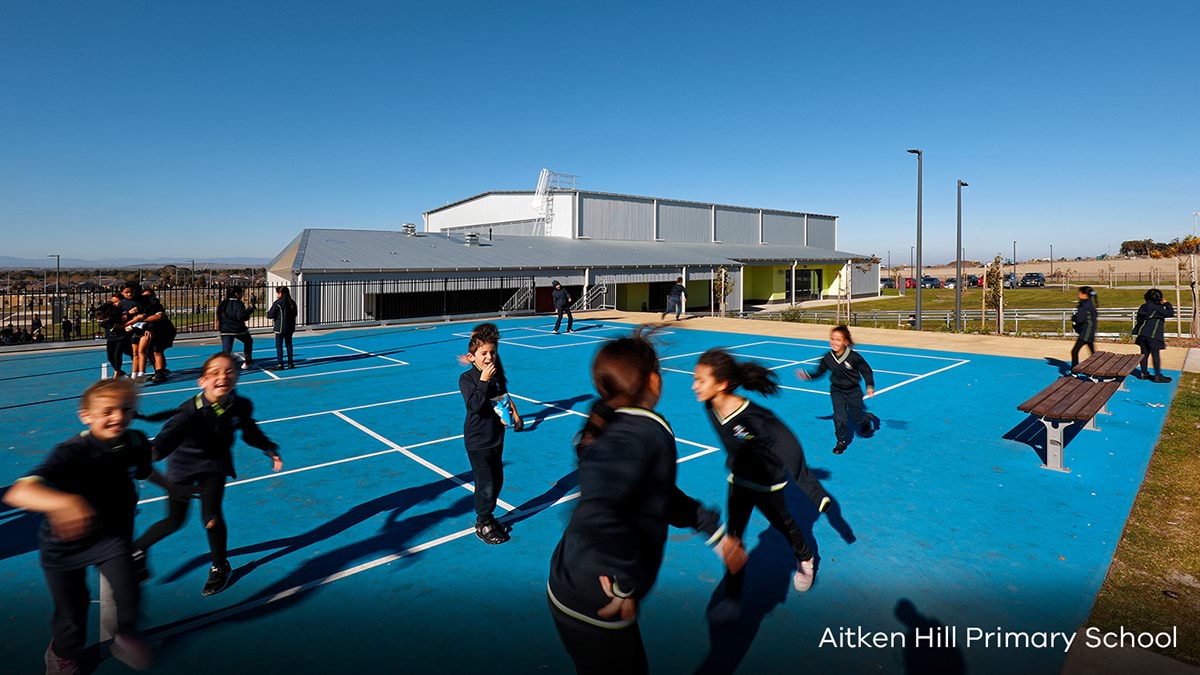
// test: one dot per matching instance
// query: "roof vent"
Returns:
(471, 239)
(409, 229)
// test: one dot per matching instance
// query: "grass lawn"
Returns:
(1153, 582)
(1022, 298)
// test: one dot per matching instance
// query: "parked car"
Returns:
(910, 282)
(1010, 280)
(887, 282)
(931, 282)
(950, 282)
(1033, 279)
(974, 280)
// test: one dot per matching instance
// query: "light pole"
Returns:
(1014, 264)
(57, 271)
(1051, 259)
(890, 272)
(917, 315)
(958, 265)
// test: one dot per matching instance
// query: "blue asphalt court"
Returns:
(360, 556)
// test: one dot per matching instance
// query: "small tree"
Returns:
(722, 287)
(993, 290)
(1184, 250)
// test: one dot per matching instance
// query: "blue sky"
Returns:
(222, 129)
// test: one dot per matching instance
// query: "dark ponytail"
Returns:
(621, 373)
(845, 334)
(1091, 293)
(739, 374)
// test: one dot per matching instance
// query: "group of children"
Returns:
(86, 489)
(611, 550)
(137, 324)
(1149, 330)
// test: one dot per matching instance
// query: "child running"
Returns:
(762, 454)
(199, 439)
(846, 369)
(116, 338)
(610, 554)
(86, 489)
(1084, 321)
(483, 387)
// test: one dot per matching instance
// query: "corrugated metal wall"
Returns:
(822, 232)
(864, 283)
(619, 218)
(486, 209)
(684, 222)
(635, 277)
(737, 226)
(784, 230)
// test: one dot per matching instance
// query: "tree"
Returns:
(1185, 250)
(1137, 247)
(993, 290)
(722, 287)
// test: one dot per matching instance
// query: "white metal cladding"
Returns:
(528, 227)
(737, 226)
(618, 218)
(822, 232)
(401, 277)
(864, 283)
(491, 208)
(639, 277)
(684, 222)
(782, 229)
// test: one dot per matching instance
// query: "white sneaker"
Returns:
(803, 579)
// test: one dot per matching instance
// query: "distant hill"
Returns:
(9, 262)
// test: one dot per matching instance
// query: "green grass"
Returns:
(1154, 581)
(1021, 298)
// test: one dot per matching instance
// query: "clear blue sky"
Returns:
(214, 128)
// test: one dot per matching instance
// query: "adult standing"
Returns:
(562, 305)
(66, 328)
(283, 314)
(232, 316)
(676, 299)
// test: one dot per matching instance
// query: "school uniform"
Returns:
(162, 330)
(103, 474)
(1084, 320)
(483, 436)
(846, 372)
(232, 316)
(562, 305)
(618, 529)
(762, 454)
(116, 339)
(1149, 331)
(198, 440)
(283, 316)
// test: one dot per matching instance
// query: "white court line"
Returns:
(359, 407)
(420, 460)
(244, 383)
(861, 351)
(271, 374)
(378, 356)
(920, 377)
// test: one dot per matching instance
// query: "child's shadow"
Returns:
(1064, 367)
(535, 420)
(18, 530)
(947, 660)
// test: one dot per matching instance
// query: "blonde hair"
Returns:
(116, 387)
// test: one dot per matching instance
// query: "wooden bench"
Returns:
(1068, 400)
(1105, 366)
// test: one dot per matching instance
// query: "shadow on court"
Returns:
(18, 530)
(543, 411)
(1030, 431)
(396, 502)
(769, 571)
(926, 655)
(1063, 367)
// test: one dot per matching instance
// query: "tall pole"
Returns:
(1014, 264)
(1051, 259)
(890, 272)
(958, 277)
(57, 272)
(919, 276)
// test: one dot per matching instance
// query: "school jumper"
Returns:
(1149, 333)
(762, 454)
(198, 440)
(618, 529)
(232, 316)
(116, 338)
(283, 314)
(103, 474)
(845, 374)
(483, 436)
(675, 301)
(562, 305)
(1084, 321)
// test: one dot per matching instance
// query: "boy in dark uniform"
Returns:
(562, 305)
(1148, 332)
(676, 299)
(86, 490)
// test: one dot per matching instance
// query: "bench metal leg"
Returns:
(1054, 445)
(1122, 386)
(1091, 424)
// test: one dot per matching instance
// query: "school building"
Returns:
(500, 251)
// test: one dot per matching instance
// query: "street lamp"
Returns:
(890, 272)
(917, 315)
(57, 271)
(1195, 215)
(1051, 259)
(1014, 264)
(958, 265)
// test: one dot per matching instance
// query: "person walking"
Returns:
(562, 305)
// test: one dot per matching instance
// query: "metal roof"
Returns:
(336, 250)
(617, 194)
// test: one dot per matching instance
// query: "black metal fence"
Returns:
(71, 314)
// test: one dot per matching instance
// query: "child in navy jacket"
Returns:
(846, 368)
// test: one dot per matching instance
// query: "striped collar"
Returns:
(725, 420)
(216, 406)
(642, 412)
(841, 359)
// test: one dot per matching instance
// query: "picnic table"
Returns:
(1106, 366)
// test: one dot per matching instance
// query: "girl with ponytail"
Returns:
(762, 455)
(1084, 322)
(610, 554)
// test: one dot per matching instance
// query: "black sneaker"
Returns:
(1161, 379)
(840, 448)
(491, 532)
(141, 571)
(159, 377)
(218, 579)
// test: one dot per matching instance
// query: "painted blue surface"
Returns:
(939, 508)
